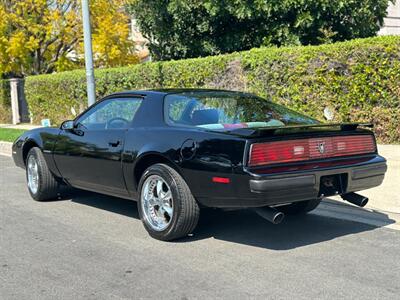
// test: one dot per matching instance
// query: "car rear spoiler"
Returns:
(269, 131)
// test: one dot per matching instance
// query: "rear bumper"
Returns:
(302, 187)
(255, 190)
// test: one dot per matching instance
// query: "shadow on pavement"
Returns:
(116, 205)
(246, 227)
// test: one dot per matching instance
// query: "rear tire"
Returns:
(168, 212)
(300, 208)
(42, 184)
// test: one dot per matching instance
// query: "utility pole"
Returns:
(87, 38)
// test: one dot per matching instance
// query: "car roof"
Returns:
(169, 91)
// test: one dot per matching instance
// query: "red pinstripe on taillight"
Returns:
(313, 148)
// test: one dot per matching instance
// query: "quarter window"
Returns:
(111, 114)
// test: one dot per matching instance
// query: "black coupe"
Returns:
(177, 151)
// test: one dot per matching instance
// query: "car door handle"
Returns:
(114, 143)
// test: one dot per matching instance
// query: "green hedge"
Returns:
(358, 79)
(5, 102)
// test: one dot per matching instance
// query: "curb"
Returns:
(20, 126)
(5, 148)
(338, 209)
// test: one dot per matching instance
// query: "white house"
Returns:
(392, 21)
(140, 42)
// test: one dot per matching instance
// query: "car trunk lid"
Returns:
(259, 132)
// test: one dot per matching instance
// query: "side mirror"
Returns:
(67, 125)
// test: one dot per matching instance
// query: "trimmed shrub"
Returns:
(55, 96)
(358, 80)
(5, 102)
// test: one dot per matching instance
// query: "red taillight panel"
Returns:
(278, 152)
(307, 149)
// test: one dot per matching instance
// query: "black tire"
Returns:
(186, 211)
(48, 187)
(300, 208)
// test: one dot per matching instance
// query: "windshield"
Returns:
(222, 110)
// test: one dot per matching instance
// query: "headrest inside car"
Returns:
(205, 116)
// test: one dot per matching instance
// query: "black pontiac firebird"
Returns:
(176, 151)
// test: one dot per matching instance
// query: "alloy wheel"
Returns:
(157, 204)
(33, 174)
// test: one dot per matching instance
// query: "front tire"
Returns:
(300, 208)
(166, 206)
(42, 184)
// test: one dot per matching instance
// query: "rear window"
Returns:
(221, 110)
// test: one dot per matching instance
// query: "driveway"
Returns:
(94, 247)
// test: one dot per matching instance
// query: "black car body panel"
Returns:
(112, 161)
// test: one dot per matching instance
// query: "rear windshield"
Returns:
(221, 110)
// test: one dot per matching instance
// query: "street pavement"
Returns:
(90, 246)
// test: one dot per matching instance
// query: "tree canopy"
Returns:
(111, 43)
(181, 28)
(43, 36)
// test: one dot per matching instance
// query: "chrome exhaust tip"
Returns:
(270, 214)
(356, 199)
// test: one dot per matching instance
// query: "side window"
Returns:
(176, 107)
(111, 114)
(189, 111)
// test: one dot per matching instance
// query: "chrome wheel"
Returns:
(33, 174)
(156, 201)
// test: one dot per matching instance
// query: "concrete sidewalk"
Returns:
(25, 126)
(386, 197)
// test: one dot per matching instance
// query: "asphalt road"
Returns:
(94, 247)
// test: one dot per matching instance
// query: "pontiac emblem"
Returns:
(321, 147)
